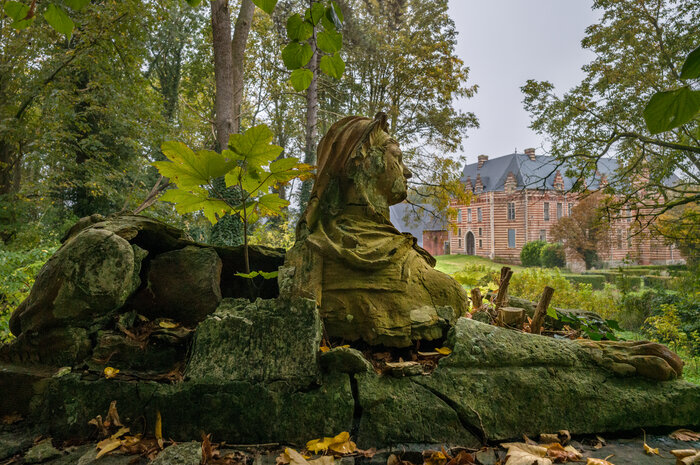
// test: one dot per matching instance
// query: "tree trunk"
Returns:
(223, 70)
(244, 22)
(9, 169)
(311, 123)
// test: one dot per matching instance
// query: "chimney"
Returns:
(482, 160)
(530, 153)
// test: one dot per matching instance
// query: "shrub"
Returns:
(636, 307)
(553, 256)
(530, 255)
(597, 281)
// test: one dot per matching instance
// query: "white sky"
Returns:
(505, 43)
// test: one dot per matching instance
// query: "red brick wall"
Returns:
(434, 242)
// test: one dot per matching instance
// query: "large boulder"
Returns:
(183, 285)
(88, 278)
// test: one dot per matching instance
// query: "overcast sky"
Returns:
(505, 43)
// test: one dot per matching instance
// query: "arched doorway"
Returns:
(470, 243)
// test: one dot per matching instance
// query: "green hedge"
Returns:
(657, 281)
(596, 281)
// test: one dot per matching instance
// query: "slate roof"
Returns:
(536, 174)
(426, 221)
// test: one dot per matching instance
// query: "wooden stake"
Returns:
(502, 296)
(477, 299)
(541, 310)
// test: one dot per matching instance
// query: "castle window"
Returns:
(543, 234)
(619, 238)
(478, 214)
(459, 232)
(546, 211)
(511, 210)
(459, 243)
(469, 215)
(481, 244)
(559, 210)
(459, 216)
(571, 206)
(511, 238)
(480, 231)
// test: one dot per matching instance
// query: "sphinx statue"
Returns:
(370, 281)
(374, 283)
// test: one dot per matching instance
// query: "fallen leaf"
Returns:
(549, 438)
(369, 453)
(686, 456)
(395, 460)
(159, 429)
(110, 372)
(649, 451)
(324, 348)
(463, 458)
(107, 445)
(318, 445)
(592, 461)
(529, 441)
(526, 454)
(342, 444)
(600, 442)
(168, 324)
(12, 419)
(113, 415)
(564, 436)
(561, 454)
(434, 457)
(346, 346)
(294, 457)
(685, 435)
(323, 460)
(121, 432)
(443, 350)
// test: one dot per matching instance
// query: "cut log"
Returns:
(477, 299)
(502, 296)
(541, 310)
(511, 316)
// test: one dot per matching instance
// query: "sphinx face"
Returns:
(392, 183)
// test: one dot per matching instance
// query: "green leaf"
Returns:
(301, 79)
(333, 16)
(299, 29)
(668, 110)
(269, 274)
(59, 20)
(612, 324)
(22, 23)
(16, 10)
(552, 313)
(315, 13)
(188, 202)
(272, 204)
(194, 3)
(77, 5)
(250, 275)
(268, 6)
(255, 145)
(338, 11)
(329, 41)
(333, 65)
(189, 170)
(296, 55)
(283, 164)
(691, 67)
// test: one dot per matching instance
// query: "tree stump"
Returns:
(510, 316)
(477, 299)
(541, 310)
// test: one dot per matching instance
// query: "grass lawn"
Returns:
(450, 264)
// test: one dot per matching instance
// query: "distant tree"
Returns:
(639, 48)
(587, 231)
(553, 256)
(681, 227)
(530, 255)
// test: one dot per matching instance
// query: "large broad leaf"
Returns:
(268, 6)
(188, 202)
(189, 170)
(271, 204)
(286, 169)
(668, 110)
(16, 10)
(301, 79)
(338, 12)
(59, 20)
(296, 55)
(329, 41)
(691, 67)
(333, 65)
(332, 15)
(315, 13)
(298, 28)
(77, 4)
(255, 145)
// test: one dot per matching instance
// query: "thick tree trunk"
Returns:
(223, 70)
(244, 22)
(9, 169)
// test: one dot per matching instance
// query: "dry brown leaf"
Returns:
(295, 458)
(107, 445)
(113, 415)
(395, 460)
(434, 457)
(323, 460)
(529, 441)
(686, 456)
(592, 461)
(564, 436)
(649, 451)
(11, 419)
(600, 442)
(463, 458)
(685, 435)
(561, 454)
(99, 424)
(159, 429)
(324, 348)
(520, 453)
(549, 438)
(369, 453)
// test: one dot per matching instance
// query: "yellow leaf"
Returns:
(560, 454)
(110, 372)
(592, 461)
(159, 429)
(346, 346)
(167, 324)
(444, 350)
(107, 445)
(323, 460)
(318, 445)
(122, 431)
(649, 451)
(434, 458)
(686, 456)
(324, 348)
(294, 457)
(520, 453)
(342, 444)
